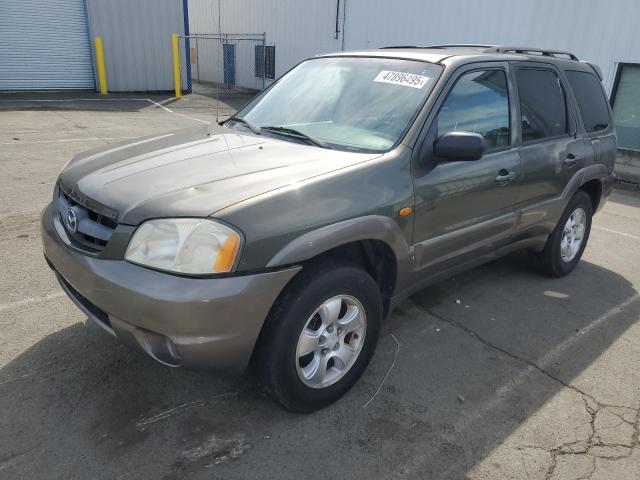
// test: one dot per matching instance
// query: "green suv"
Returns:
(353, 181)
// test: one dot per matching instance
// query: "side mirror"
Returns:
(459, 146)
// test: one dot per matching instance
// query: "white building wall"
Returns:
(298, 28)
(604, 32)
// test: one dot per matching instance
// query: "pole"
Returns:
(102, 74)
(176, 65)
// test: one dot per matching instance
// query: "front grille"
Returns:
(97, 313)
(92, 230)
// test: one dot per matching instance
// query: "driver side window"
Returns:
(479, 103)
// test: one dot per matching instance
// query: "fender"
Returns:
(370, 227)
(543, 217)
(596, 171)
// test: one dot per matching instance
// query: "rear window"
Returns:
(543, 106)
(591, 100)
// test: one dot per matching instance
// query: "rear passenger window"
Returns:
(591, 100)
(479, 103)
(542, 104)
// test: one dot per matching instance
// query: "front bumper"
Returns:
(208, 323)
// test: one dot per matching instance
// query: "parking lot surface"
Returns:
(498, 373)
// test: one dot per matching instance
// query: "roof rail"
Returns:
(460, 45)
(402, 46)
(498, 49)
(541, 51)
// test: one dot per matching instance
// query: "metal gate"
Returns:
(225, 65)
(44, 44)
(229, 63)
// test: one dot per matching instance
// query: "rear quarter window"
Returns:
(591, 100)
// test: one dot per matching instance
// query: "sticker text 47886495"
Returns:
(401, 78)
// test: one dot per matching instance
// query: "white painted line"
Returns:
(628, 235)
(552, 356)
(30, 300)
(18, 142)
(107, 100)
(77, 100)
(192, 118)
(549, 358)
(502, 394)
(160, 105)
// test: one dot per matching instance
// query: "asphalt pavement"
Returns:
(498, 373)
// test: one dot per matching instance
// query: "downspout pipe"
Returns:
(337, 32)
(344, 21)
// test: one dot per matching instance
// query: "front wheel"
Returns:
(567, 242)
(320, 336)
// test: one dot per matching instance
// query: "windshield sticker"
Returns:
(400, 78)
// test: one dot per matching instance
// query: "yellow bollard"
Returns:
(102, 74)
(176, 65)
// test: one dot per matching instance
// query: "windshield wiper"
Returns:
(292, 132)
(249, 125)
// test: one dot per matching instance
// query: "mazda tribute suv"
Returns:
(281, 240)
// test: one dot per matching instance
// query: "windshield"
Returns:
(354, 103)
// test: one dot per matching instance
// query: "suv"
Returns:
(353, 181)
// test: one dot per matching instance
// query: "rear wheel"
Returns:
(567, 242)
(320, 336)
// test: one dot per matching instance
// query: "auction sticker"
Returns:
(401, 78)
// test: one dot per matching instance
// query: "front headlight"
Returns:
(185, 245)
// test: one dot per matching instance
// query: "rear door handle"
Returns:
(570, 160)
(504, 177)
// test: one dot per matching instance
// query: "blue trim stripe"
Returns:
(187, 42)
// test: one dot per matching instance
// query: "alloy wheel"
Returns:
(573, 234)
(330, 341)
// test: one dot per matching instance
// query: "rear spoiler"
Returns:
(595, 68)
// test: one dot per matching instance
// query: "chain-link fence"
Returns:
(227, 66)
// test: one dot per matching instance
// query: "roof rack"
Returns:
(459, 45)
(498, 49)
(402, 46)
(541, 51)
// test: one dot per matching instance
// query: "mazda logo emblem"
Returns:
(71, 221)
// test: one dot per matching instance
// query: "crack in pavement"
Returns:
(594, 446)
(518, 358)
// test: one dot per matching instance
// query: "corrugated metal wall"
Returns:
(604, 32)
(137, 41)
(44, 44)
(298, 28)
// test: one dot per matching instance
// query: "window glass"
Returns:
(591, 100)
(478, 102)
(626, 107)
(542, 104)
(350, 103)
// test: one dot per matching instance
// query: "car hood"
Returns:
(192, 173)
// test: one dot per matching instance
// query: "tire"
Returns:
(279, 362)
(553, 260)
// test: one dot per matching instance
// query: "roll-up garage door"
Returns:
(44, 44)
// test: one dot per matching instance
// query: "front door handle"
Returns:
(505, 176)
(570, 160)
